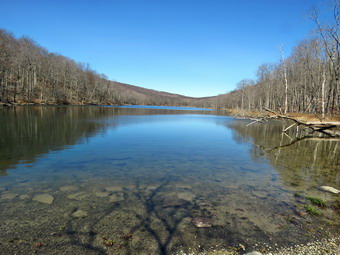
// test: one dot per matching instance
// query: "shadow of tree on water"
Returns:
(154, 220)
(75, 236)
(169, 218)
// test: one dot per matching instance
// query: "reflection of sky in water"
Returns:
(145, 140)
(129, 141)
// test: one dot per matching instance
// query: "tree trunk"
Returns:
(323, 94)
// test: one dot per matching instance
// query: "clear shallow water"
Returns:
(137, 181)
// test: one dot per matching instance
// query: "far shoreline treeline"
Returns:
(307, 81)
(30, 74)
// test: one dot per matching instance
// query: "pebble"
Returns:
(202, 222)
(253, 253)
(330, 189)
(44, 198)
(79, 214)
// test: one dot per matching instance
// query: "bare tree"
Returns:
(329, 34)
(283, 61)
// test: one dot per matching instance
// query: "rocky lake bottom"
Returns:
(176, 215)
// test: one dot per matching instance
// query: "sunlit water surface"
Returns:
(105, 180)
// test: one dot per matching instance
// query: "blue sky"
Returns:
(190, 47)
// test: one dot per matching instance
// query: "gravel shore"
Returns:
(329, 246)
(324, 247)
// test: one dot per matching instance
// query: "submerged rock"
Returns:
(22, 180)
(79, 214)
(114, 189)
(77, 196)
(24, 196)
(69, 188)
(9, 196)
(259, 194)
(183, 186)
(116, 198)
(173, 202)
(44, 198)
(330, 189)
(186, 196)
(202, 222)
(102, 194)
(151, 187)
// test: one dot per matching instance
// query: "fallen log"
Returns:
(329, 128)
(327, 131)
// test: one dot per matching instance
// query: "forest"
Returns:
(30, 74)
(307, 81)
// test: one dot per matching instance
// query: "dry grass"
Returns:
(243, 113)
(306, 117)
(313, 117)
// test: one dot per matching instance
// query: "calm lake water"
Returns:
(106, 180)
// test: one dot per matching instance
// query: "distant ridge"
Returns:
(30, 74)
(155, 97)
(146, 91)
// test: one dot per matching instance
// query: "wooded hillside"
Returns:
(29, 73)
(307, 81)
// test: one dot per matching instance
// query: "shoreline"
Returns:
(300, 116)
(327, 246)
(237, 113)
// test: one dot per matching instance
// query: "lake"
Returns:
(115, 180)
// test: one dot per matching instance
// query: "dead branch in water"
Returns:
(255, 120)
(328, 131)
(296, 140)
(330, 128)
